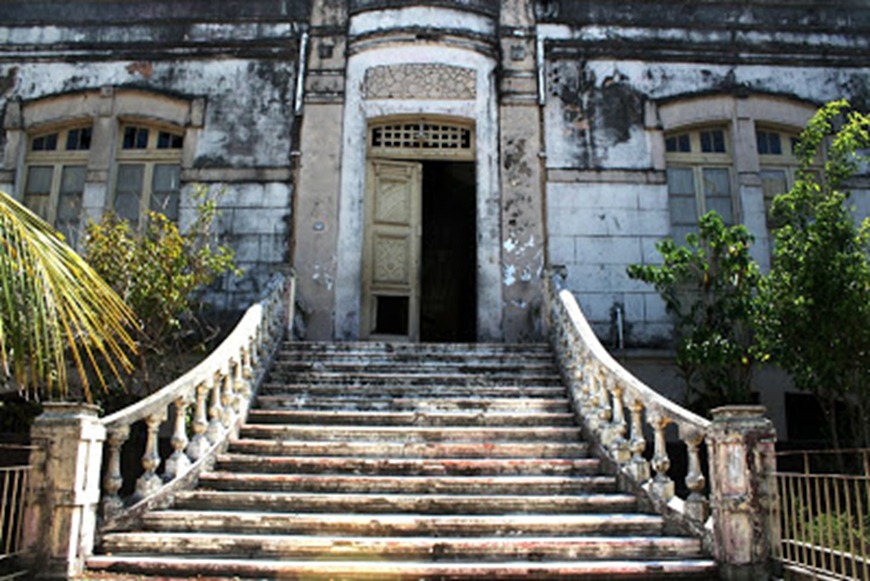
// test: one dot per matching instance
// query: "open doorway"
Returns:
(448, 289)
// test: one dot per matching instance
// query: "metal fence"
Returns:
(825, 517)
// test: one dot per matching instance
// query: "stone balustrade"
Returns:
(198, 412)
(737, 519)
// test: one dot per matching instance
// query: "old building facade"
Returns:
(420, 163)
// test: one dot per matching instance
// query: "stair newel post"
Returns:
(199, 444)
(215, 412)
(229, 415)
(113, 480)
(150, 482)
(662, 485)
(178, 463)
(696, 504)
(639, 466)
(618, 445)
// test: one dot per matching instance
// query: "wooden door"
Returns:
(391, 251)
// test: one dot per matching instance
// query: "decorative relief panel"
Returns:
(391, 260)
(392, 204)
(420, 81)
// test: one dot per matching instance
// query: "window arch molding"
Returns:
(105, 111)
(742, 118)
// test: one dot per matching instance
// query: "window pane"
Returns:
(44, 143)
(128, 191)
(165, 190)
(69, 204)
(135, 138)
(682, 202)
(78, 139)
(773, 183)
(37, 191)
(713, 141)
(717, 192)
(166, 140)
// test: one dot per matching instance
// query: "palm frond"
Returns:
(54, 307)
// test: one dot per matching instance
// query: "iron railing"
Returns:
(14, 480)
(825, 518)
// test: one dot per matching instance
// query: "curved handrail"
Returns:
(614, 405)
(217, 392)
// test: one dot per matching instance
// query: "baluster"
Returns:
(592, 418)
(696, 504)
(662, 485)
(178, 463)
(199, 444)
(618, 444)
(113, 481)
(229, 416)
(215, 427)
(247, 372)
(586, 403)
(639, 466)
(150, 482)
(236, 385)
(605, 412)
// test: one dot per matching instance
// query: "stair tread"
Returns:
(378, 569)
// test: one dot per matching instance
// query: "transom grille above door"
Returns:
(422, 140)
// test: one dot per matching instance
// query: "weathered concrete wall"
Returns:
(240, 73)
(618, 75)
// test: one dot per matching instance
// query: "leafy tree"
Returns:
(54, 308)
(814, 316)
(709, 285)
(160, 270)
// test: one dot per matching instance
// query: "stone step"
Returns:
(379, 570)
(384, 524)
(477, 549)
(405, 466)
(469, 504)
(481, 485)
(411, 433)
(521, 367)
(423, 360)
(402, 449)
(410, 378)
(460, 349)
(419, 418)
(383, 403)
(507, 390)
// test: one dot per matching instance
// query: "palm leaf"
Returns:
(53, 308)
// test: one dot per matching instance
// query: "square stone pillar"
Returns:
(61, 511)
(743, 494)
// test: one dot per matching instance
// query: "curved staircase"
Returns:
(402, 461)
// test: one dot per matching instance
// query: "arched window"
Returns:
(777, 162)
(699, 174)
(148, 172)
(55, 169)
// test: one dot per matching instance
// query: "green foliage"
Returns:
(54, 308)
(709, 284)
(814, 316)
(160, 270)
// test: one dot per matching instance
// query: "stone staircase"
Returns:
(400, 461)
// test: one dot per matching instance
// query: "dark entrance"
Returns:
(448, 293)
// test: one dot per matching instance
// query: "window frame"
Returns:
(148, 157)
(697, 161)
(59, 159)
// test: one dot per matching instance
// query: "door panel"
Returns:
(391, 252)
